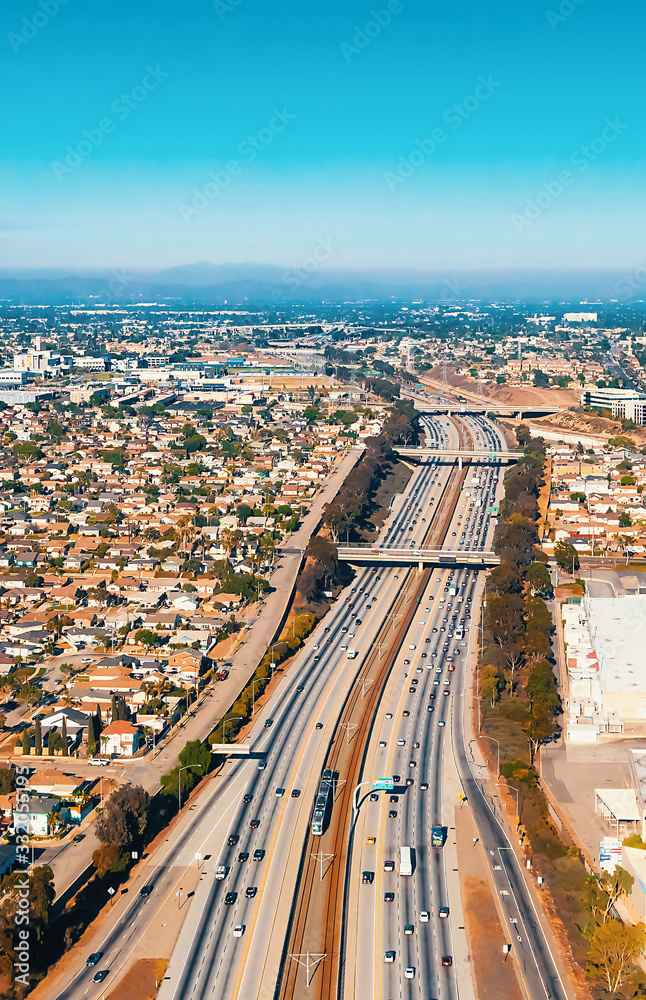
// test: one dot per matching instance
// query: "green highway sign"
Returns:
(383, 784)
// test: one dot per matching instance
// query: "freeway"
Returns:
(208, 959)
(408, 740)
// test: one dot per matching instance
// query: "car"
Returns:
(99, 977)
(447, 961)
(238, 930)
(370, 841)
(319, 725)
(94, 958)
(389, 866)
(401, 743)
(233, 839)
(247, 797)
(389, 897)
(243, 856)
(389, 715)
(269, 723)
(382, 743)
(358, 621)
(397, 778)
(299, 689)
(441, 722)
(230, 898)
(424, 786)
(394, 798)
(409, 972)
(423, 916)
(146, 890)
(408, 929)
(406, 663)
(416, 745)
(262, 764)
(258, 854)
(86, 659)
(424, 657)
(446, 691)
(251, 891)
(444, 911)
(434, 630)
(77, 838)
(389, 956)
(409, 781)
(280, 792)
(98, 762)
(406, 714)
(367, 878)
(392, 814)
(254, 824)
(295, 793)
(374, 797)
(430, 708)
(412, 763)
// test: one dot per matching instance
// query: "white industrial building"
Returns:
(625, 404)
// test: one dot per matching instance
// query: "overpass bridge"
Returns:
(450, 455)
(392, 556)
(427, 403)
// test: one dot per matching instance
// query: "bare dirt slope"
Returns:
(510, 395)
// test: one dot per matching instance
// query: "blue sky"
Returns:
(357, 136)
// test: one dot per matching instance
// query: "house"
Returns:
(33, 815)
(54, 783)
(185, 659)
(120, 739)
(76, 721)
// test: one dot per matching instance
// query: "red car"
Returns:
(447, 961)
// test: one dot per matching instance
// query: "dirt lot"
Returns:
(505, 395)
(142, 981)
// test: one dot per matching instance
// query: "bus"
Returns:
(322, 802)
(405, 861)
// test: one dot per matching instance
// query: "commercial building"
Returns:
(625, 404)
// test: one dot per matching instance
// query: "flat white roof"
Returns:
(618, 627)
(621, 802)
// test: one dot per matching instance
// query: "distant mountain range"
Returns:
(257, 285)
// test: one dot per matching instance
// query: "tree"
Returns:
(66, 749)
(505, 617)
(566, 556)
(38, 739)
(146, 637)
(539, 727)
(490, 683)
(625, 520)
(123, 818)
(196, 752)
(612, 950)
(7, 780)
(54, 742)
(91, 736)
(244, 512)
(26, 742)
(538, 577)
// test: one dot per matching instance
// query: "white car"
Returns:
(401, 743)
(389, 956)
(239, 930)
(409, 972)
(97, 762)
(382, 743)
(86, 659)
(423, 916)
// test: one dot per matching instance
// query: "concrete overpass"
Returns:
(450, 455)
(451, 409)
(392, 556)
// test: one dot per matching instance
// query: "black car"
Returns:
(94, 958)
(319, 725)
(269, 723)
(78, 838)
(230, 898)
(243, 856)
(233, 839)
(258, 854)
(392, 814)
(299, 689)
(247, 798)
(295, 792)
(389, 897)
(358, 621)
(100, 976)
(255, 823)
(145, 890)
(251, 891)
(367, 878)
